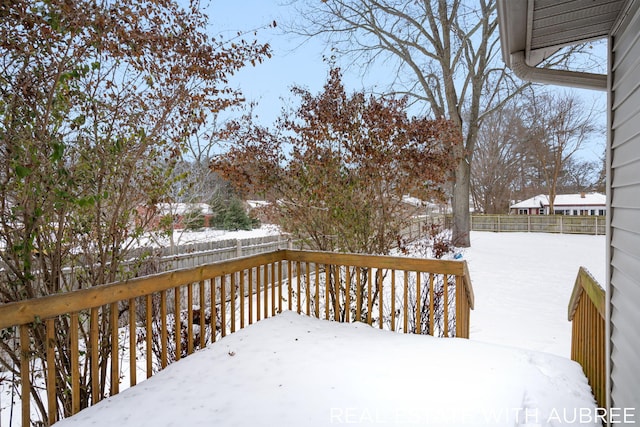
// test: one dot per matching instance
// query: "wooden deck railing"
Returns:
(587, 314)
(72, 349)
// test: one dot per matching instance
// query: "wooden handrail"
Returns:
(27, 311)
(34, 310)
(455, 268)
(587, 313)
(585, 282)
(231, 294)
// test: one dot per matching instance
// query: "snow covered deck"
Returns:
(289, 367)
(293, 370)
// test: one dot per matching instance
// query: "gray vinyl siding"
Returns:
(624, 190)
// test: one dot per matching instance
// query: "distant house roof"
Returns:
(182, 208)
(580, 199)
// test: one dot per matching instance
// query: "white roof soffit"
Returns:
(533, 30)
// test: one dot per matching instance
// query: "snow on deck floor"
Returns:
(292, 370)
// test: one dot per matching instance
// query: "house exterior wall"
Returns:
(580, 210)
(586, 210)
(624, 215)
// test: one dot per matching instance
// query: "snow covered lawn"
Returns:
(292, 370)
(522, 284)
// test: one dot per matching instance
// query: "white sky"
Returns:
(299, 62)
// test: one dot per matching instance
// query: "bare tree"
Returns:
(579, 175)
(498, 161)
(445, 53)
(560, 124)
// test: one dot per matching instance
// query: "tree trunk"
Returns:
(460, 204)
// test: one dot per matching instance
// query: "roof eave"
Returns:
(514, 28)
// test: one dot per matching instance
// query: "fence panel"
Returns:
(567, 224)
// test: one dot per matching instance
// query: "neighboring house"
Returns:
(531, 30)
(564, 204)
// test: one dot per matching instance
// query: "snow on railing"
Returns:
(587, 314)
(71, 350)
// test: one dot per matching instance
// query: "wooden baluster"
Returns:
(189, 318)
(336, 287)
(290, 271)
(393, 300)
(75, 363)
(308, 289)
(418, 310)
(250, 284)
(223, 306)
(358, 294)
(379, 275)
(133, 332)
(242, 313)
(347, 295)
(327, 290)
(232, 285)
(369, 296)
(317, 290)
(280, 286)
(266, 291)
(446, 305)
(148, 337)
(202, 314)
(258, 290)
(52, 407)
(177, 330)
(163, 328)
(25, 381)
(273, 289)
(115, 368)
(297, 269)
(460, 307)
(405, 314)
(432, 309)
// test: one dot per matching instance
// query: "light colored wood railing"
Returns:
(587, 314)
(97, 327)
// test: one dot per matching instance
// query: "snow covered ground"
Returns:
(185, 237)
(292, 370)
(523, 282)
(295, 371)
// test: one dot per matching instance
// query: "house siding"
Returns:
(624, 193)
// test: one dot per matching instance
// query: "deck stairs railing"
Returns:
(587, 314)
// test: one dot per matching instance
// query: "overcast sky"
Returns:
(299, 62)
